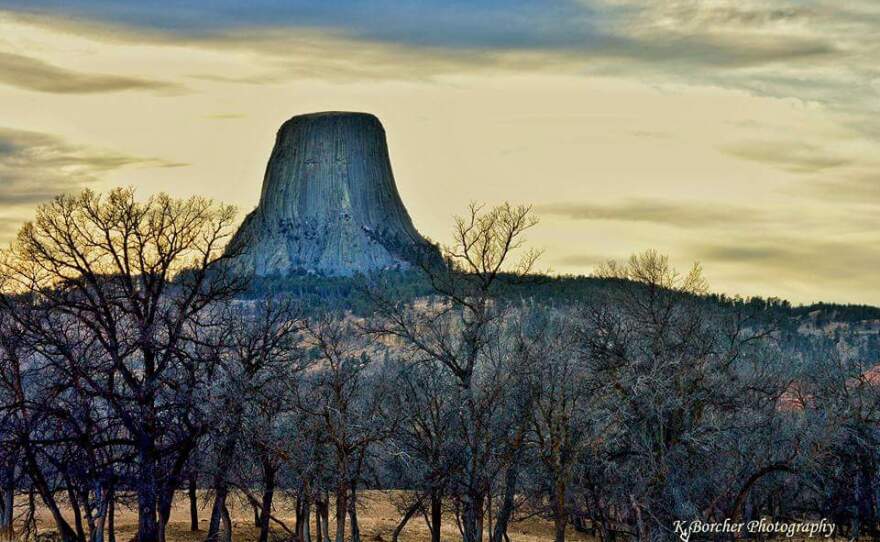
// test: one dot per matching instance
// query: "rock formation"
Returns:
(329, 204)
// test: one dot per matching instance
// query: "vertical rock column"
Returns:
(329, 204)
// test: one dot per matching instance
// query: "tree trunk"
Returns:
(325, 518)
(855, 528)
(7, 506)
(490, 499)
(172, 481)
(319, 531)
(166, 500)
(472, 518)
(65, 531)
(352, 514)
(297, 509)
(306, 535)
(217, 513)
(413, 508)
(111, 519)
(560, 513)
(341, 509)
(559, 522)
(77, 511)
(322, 518)
(865, 498)
(266, 505)
(30, 521)
(579, 524)
(221, 484)
(193, 503)
(303, 515)
(98, 522)
(147, 491)
(227, 524)
(738, 502)
(91, 519)
(504, 515)
(472, 500)
(436, 515)
(641, 529)
(97, 528)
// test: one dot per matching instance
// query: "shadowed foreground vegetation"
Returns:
(138, 371)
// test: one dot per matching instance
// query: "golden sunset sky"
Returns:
(741, 134)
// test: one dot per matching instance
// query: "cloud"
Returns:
(727, 253)
(602, 37)
(495, 24)
(655, 31)
(673, 55)
(259, 79)
(795, 156)
(862, 188)
(33, 74)
(820, 262)
(790, 264)
(702, 218)
(582, 260)
(679, 214)
(821, 53)
(35, 167)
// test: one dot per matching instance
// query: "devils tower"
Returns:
(329, 204)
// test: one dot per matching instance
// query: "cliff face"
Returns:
(329, 204)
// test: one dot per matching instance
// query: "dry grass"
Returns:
(377, 516)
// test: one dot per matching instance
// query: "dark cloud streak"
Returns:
(432, 23)
(34, 74)
(790, 155)
(818, 261)
(35, 167)
(589, 31)
(677, 214)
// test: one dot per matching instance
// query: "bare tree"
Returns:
(561, 409)
(11, 403)
(455, 329)
(836, 404)
(348, 403)
(681, 378)
(133, 277)
(130, 368)
(258, 352)
(30, 389)
(421, 456)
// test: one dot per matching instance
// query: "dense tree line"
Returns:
(134, 371)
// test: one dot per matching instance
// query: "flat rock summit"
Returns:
(329, 204)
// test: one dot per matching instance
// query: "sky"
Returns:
(741, 134)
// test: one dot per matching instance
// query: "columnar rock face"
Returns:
(329, 204)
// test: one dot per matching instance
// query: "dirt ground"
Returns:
(377, 516)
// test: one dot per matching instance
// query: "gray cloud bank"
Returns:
(35, 167)
(671, 213)
(819, 51)
(33, 74)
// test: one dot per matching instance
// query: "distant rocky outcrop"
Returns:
(329, 204)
